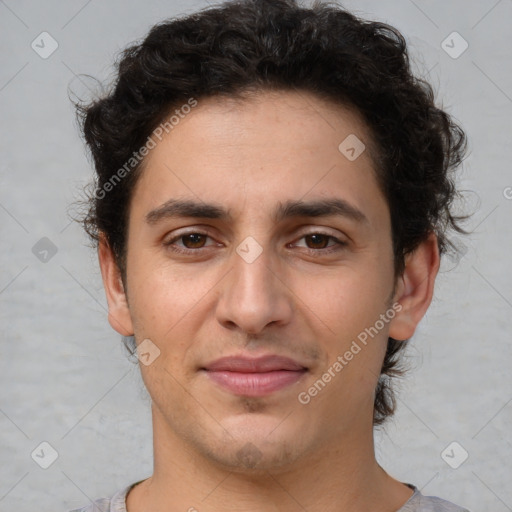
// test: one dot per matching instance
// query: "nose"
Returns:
(254, 295)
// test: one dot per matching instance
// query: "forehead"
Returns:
(268, 148)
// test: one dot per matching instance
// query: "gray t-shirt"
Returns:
(416, 503)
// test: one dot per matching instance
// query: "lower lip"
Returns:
(255, 384)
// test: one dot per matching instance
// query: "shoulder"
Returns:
(420, 503)
(117, 503)
(100, 505)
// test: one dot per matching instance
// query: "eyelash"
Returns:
(339, 244)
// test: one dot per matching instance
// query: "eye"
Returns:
(190, 242)
(318, 242)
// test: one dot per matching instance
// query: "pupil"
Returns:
(318, 239)
(193, 238)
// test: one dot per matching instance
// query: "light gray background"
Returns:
(65, 378)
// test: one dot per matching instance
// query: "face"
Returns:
(258, 253)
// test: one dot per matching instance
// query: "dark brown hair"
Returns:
(246, 45)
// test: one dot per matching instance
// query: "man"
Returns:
(272, 201)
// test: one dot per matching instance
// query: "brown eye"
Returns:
(193, 240)
(318, 244)
(318, 240)
(188, 243)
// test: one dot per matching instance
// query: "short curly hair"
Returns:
(254, 45)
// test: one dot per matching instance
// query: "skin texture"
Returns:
(295, 299)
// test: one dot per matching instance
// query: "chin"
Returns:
(252, 457)
(258, 444)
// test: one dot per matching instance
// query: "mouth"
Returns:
(254, 377)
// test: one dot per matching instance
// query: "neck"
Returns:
(332, 478)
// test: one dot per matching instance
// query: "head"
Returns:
(247, 109)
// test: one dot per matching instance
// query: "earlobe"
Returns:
(415, 288)
(118, 310)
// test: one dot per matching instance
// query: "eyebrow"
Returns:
(290, 209)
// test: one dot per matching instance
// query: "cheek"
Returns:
(170, 307)
(346, 300)
(160, 295)
(344, 308)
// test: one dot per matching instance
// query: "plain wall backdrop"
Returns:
(65, 377)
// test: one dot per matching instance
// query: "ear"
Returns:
(415, 288)
(118, 311)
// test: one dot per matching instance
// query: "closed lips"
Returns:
(254, 377)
